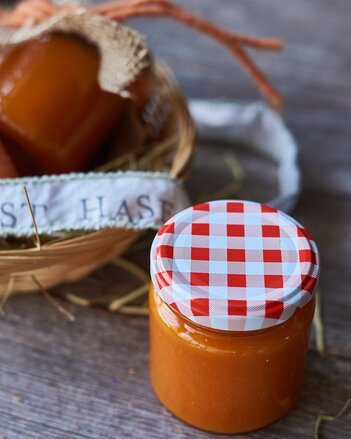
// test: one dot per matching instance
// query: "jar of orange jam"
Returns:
(51, 105)
(231, 306)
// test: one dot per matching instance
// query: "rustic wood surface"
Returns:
(89, 378)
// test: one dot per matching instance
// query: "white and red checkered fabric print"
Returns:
(234, 265)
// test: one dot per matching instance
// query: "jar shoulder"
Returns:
(178, 327)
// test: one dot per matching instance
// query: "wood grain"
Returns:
(89, 379)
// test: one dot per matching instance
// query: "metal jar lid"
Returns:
(234, 265)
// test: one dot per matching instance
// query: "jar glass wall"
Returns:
(226, 381)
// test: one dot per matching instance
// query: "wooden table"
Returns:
(89, 379)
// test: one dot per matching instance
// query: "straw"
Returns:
(319, 326)
(53, 301)
(330, 418)
(33, 218)
(8, 291)
(117, 304)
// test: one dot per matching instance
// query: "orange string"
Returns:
(127, 8)
(36, 11)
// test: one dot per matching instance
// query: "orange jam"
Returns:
(226, 382)
(231, 306)
(51, 104)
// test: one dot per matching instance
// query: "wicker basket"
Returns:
(74, 256)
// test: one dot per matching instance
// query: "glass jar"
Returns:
(227, 354)
(51, 106)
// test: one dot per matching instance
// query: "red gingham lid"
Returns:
(234, 265)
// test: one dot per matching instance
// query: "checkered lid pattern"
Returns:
(234, 265)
